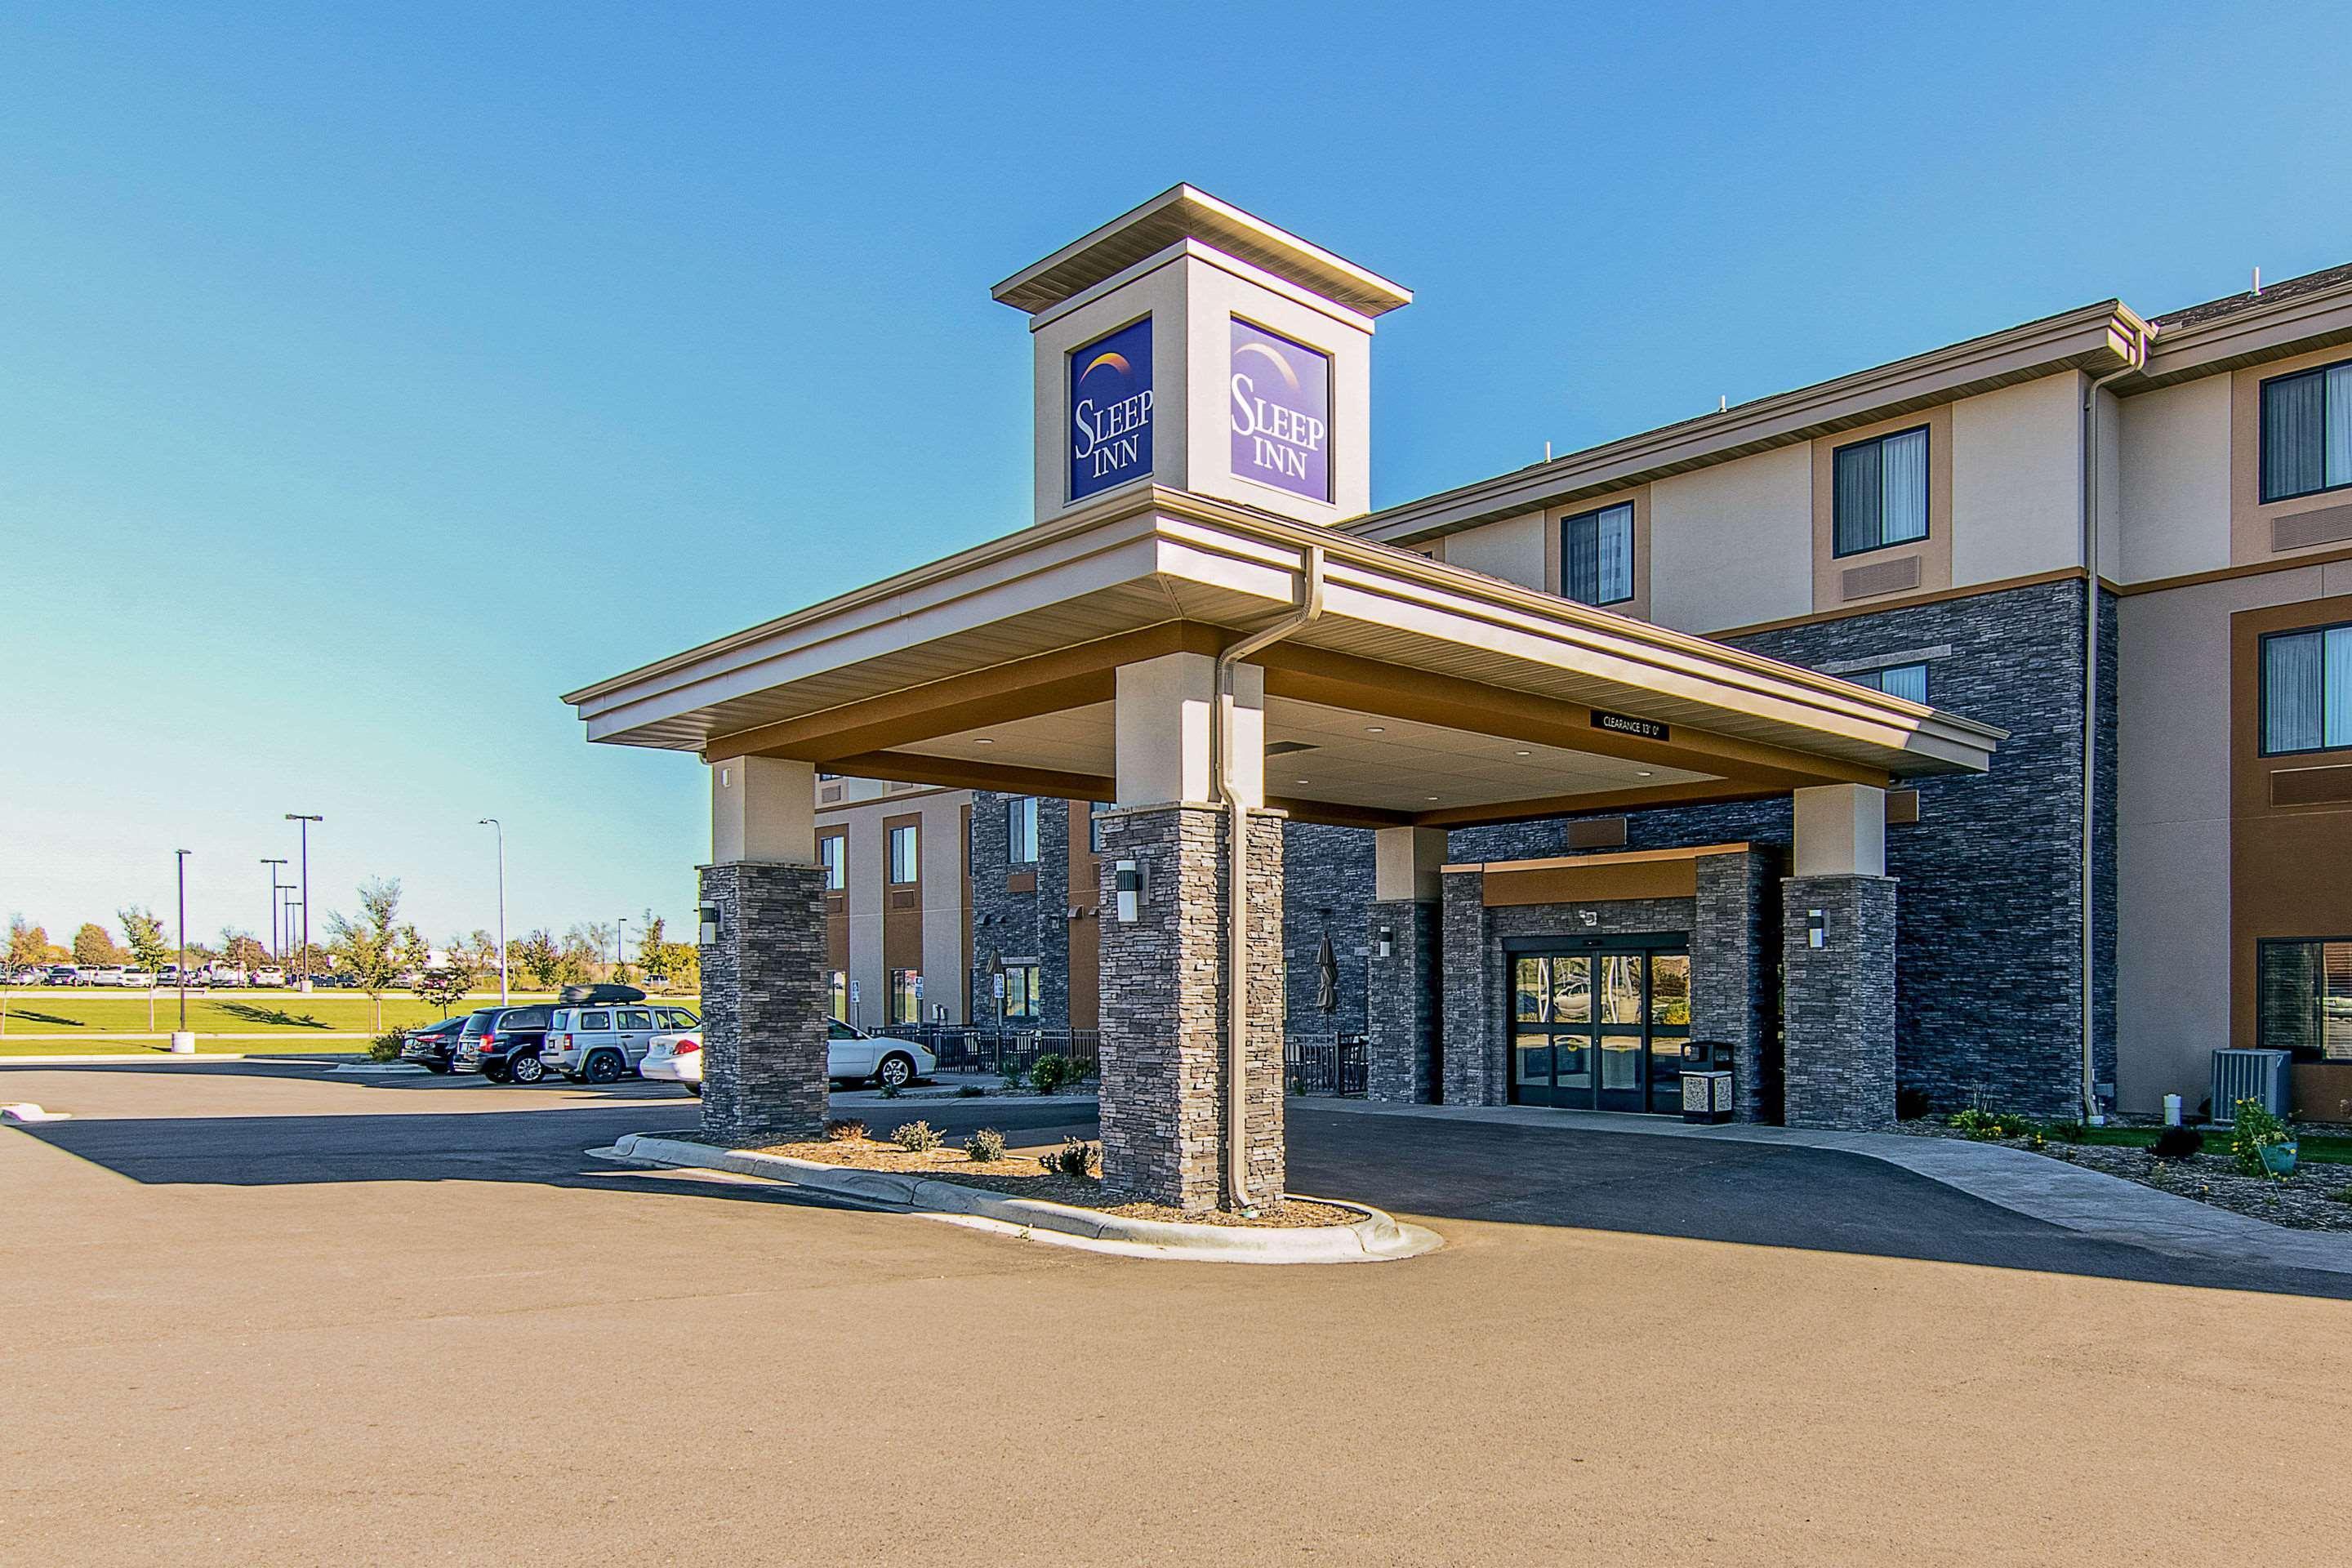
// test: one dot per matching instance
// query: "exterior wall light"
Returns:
(1817, 929)
(710, 936)
(1386, 944)
(1129, 880)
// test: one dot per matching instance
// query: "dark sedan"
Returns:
(503, 1043)
(433, 1045)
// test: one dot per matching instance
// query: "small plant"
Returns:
(917, 1137)
(1912, 1105)
(1989, 1126)
(385, 1048)
(2073, 1132)
(970, 1091)
(2341, 1195)
(1076, 1157)
(845, 1129)
(2255, 1131)
(1049, 1072)
(1015, 1076)
(2037, 1140)
(889, 1090)
(985, 1144)
(2178, 1143)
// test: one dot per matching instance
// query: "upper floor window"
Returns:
(1020, 829)
(831, 852)
(1878, 493)
(2307, 432)
(2307, 689)
(1908, 681)
(906, 853)
(1596, 552)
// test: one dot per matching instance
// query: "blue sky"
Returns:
(371, 375)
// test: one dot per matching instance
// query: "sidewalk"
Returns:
(2089, 1202)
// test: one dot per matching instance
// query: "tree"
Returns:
(242, 952)
(28, 944)
(653, 953)
(374, 947)
(537, 958)
(149, 948)
(582, 957)
(93, 948)
(446, 985)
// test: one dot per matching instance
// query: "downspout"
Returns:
(1221, 769)
(2137, 354)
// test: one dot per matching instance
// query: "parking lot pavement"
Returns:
(264, 1315)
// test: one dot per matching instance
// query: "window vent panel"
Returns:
(1881, 577)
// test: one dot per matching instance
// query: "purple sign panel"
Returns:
(1111, 410)
(1281, 412)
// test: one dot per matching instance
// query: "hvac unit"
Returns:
(2258, 1076)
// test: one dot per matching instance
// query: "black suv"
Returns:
(502, 1044)
(433, 1045)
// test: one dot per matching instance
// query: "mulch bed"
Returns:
(1020, 1174)
(2306, 1200)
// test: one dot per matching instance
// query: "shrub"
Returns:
(385, 1048)
(1015, 1076)
(1049, 1072)
(985, 1144)
(2342, 1196)
(1985, 1126)
(2255, 1130)
(970, 1091)
(845, 1129)
(1911, 1104)
(2177, 1144)
(917, 1137)
(1076, 1157)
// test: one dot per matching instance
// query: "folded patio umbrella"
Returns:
(1326, 977)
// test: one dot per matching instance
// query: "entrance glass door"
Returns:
(1599, 1023)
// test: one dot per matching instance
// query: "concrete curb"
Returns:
(1375, 1238)
(2089, 1202)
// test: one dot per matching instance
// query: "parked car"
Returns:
(137, 979)
(224, 974)
(601, 1045)
(267, 976)
(852, 1057)
(29, 977)
(103, 974)
(65, 974)
(503, 1043)
(433, 1044)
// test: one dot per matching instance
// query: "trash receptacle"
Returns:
(1707, 1081)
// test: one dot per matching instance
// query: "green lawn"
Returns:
(2324, 1149)
(281, 1015)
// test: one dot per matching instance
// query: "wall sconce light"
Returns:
(1817, 929)
(1128, 878)
(1386, 944)
(709, 913)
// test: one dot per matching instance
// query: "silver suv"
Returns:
(605, 1042)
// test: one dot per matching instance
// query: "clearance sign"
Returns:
(1111, 410)
(1281, 412)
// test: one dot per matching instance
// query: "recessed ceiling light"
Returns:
(1526, 753)
(1302, 781)
(1432, 798)
(1376, 730)
(1640, 772)
(984, 740)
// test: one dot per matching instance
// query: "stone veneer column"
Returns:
(1164, 1009)
(1401, 1004)
(1732, 974)
(1473, 1051)
(765, 1003)
(1838, 1006)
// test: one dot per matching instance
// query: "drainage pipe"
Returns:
(2137, 355)
(1221, 773)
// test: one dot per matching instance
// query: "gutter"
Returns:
(1310, 609)
(2140, 341)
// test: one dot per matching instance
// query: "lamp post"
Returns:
(492, 822)
(281, 917)
(616, 947)
(305, 820)
(274, 911)
(182, 1042)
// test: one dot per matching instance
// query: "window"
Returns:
(906, 853)
(637, 1018)
(833, 851)
(2307, 432)
(840, 1004)
(905, 997)
(1908, 681)
(593, 1022)
(678, 1018)
(1020, 993)
(1020, 829)
(2306, 690)
(1094, 825)
(2303, 998)
(1879, 492)
(1596, 552)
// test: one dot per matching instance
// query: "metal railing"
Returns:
(1327, 1064)
(1311, 1064)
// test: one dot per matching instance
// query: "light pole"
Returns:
(274, 902)
(281, 931)
(616, 946)
(305, 821)
(493, 823)
(182, 1042)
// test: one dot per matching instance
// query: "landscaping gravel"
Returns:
(2317, 1197)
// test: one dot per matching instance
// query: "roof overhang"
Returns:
(2094, 339)
(1017, 641)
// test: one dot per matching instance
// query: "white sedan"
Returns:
(852, 1056)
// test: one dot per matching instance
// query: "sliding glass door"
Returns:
(1598, 1024)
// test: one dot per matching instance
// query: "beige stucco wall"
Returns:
(1512, 549)
(1732, 545)
(2176, 481)
(941, 811)
(2172, 957)
(2017, 480)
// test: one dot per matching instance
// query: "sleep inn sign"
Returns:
(1111, 410)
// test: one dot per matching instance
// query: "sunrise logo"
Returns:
(1110, 411)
